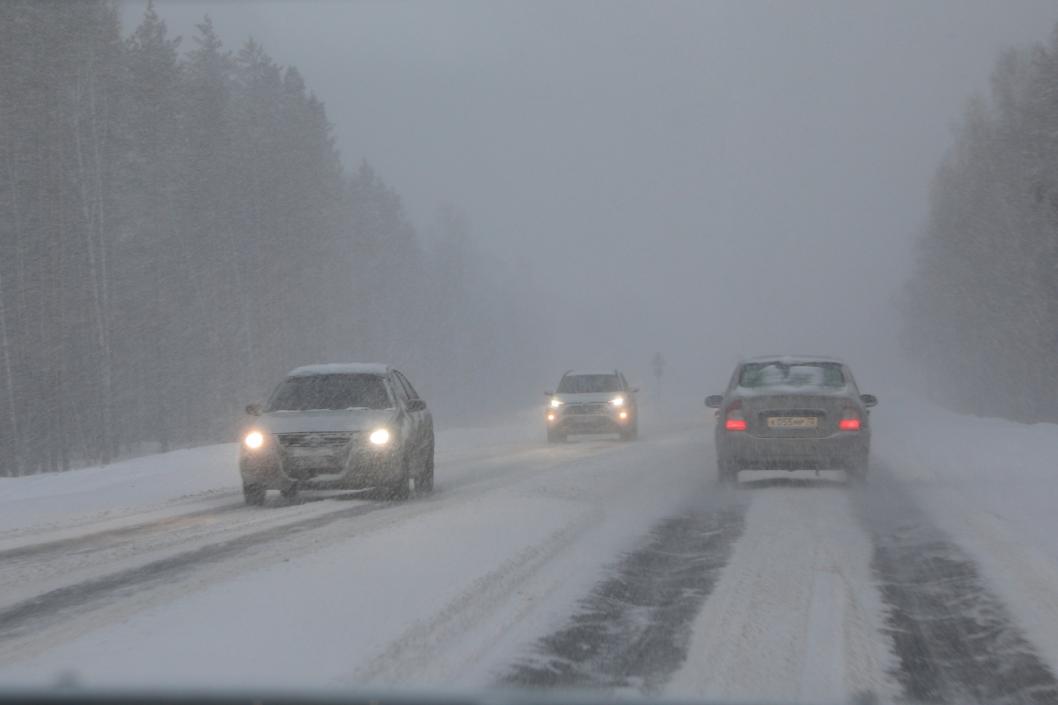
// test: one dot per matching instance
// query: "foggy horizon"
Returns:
(629, 165)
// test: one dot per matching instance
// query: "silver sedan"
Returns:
(792, 413)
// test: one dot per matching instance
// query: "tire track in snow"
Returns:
(131, 552)
(31, 623)
(417, 649)
(60, 604)
(633, 630)
(459, 469)
(30, 571)
(140, 531)
(106, 538)
(795, 614)
(955, 641)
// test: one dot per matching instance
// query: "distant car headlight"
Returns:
(618, 401)
(254, 440)
(379, 437)
(555, 403)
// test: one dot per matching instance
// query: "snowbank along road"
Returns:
(594, 564)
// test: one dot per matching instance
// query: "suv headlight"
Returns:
(254, 440)
(380, 437)
(555, 403)
(618, 401)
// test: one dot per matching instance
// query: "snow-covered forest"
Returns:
(982, 306)
(177, 229)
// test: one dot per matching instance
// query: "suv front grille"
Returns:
(314, 440)
(588, 408)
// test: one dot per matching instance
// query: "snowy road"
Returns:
(591, 564)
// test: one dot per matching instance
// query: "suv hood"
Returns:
(325, 421)
(588, 398)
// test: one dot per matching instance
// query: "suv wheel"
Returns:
(254, 495)
(289, 492)
(401, 489)
(424, 483)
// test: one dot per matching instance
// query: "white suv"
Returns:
(592, 402)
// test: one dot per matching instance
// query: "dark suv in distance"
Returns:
(348, 426)
(792, 413)
(592, 402)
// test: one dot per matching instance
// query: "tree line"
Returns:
(177, 229)
(982, 305)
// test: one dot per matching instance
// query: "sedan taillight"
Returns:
(733, 419)
(850, 422)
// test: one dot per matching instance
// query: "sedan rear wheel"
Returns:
(726, 471)
(857, 470)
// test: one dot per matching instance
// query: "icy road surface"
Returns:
(593, 564)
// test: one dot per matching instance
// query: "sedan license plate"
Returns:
(793, 422)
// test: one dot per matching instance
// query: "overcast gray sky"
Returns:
(706, 179)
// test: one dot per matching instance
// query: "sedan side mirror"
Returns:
(714, 401)
(416, 405)
(253, 409)
(869, 400)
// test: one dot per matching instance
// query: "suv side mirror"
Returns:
(253, 409)
(714, 401)
(416, 405)
(869, 400)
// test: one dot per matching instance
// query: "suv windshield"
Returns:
(589, 384)
(777, 374)
(330, 392)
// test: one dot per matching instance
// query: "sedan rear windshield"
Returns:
(589, 384)
(331, 393)
(765, 375)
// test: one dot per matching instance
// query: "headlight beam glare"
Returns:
(254, 440)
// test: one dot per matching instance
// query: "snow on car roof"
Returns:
(590, 372)
(341, 368)
(794, 359)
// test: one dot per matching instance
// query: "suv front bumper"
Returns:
(608, 422)
(355, 468)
